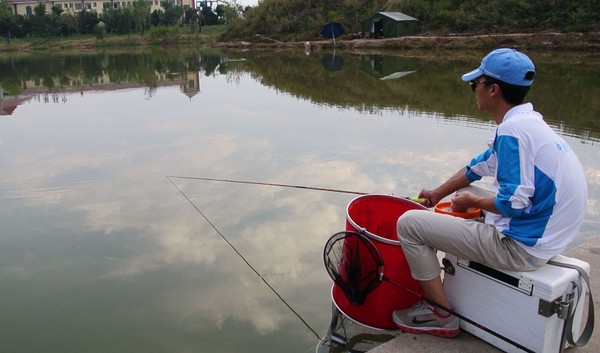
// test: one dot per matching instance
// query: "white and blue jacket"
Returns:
(541, 191)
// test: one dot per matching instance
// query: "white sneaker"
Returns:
(422, 318)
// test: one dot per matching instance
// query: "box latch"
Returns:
(525, 283)
(462, 262)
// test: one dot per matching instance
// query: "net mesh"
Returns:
(346, 335)
(354, 264)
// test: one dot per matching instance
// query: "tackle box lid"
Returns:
(547, 282)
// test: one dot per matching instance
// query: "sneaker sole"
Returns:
(440, 332)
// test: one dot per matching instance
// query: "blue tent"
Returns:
(332, 30)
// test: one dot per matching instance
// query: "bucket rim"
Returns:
(372, 235)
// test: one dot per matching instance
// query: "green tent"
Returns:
(388, 25)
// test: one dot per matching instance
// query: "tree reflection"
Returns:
(567, 94)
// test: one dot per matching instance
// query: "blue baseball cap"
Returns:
(506, 65)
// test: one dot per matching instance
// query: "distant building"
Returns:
(389, 25)
(25, 7)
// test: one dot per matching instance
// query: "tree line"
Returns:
(303, 19)
(134, 18)
(292, 20)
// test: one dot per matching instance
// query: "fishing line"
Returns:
(270, 184)
(414, 199)
(242, 256)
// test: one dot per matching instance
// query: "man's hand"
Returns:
(461, 201)
(430, 196)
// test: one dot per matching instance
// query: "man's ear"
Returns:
(495, 89)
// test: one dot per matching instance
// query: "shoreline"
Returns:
(589, 42)
(584, 42)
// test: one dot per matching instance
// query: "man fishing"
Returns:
(536, 208)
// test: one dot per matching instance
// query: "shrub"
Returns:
(100, 30)
(166, 34)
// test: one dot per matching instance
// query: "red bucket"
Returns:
(377, 216)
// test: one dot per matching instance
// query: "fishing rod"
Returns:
(270, 184)
(244, 259)
(414, 199)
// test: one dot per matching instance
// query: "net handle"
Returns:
(362, 233)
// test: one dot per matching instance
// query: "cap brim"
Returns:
(472, 75)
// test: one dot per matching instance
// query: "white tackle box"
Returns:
(525, 307)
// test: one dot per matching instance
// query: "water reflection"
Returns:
(332, 62)
(100, 252)
(387, 67)
(437, 88)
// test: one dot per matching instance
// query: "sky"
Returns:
(245, 3)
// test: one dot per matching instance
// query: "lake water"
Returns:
(111, 241)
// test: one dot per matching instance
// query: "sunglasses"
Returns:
(474, 83)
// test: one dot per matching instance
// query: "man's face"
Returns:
(481, 89)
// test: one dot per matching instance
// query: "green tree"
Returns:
(192, 19)
(6, 17)
(156, 17)
(141, 15)
(172, 14)
(208, 16)
(127, 20)
(232, 12)
(56, 10)
(110, 17)
(119, 20)
(39, 20)
(220, 12)
(54, 28)
(87, 20)
(68, 24)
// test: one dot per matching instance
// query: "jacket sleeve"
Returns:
(482, 165)
(516, 182)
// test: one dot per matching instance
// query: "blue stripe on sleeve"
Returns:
(531, 226)
(508, 174)
(481, 159)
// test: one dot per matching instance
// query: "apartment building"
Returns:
(25, 7)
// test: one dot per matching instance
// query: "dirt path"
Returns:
(546, 40)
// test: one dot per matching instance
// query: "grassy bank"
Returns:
(589, 42)
(207, 37)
